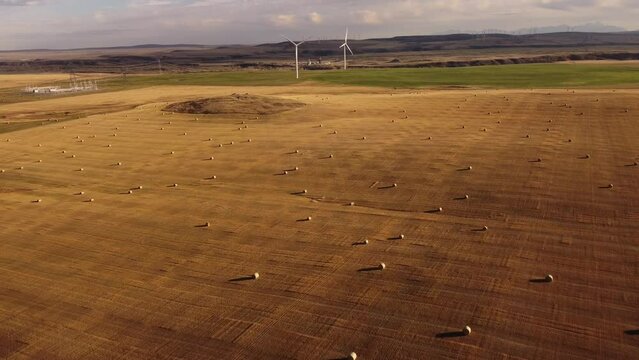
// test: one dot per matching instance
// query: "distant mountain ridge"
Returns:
(595, 27)
(462, 49)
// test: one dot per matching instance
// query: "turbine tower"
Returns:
(345, 46)
(297, 63)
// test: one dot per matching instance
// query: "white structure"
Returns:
(90, 85)
(297, 62)
(345, 47)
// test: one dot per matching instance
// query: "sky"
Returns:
(63, 24)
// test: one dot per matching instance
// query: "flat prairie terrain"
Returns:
(21, 80)
(101, 269)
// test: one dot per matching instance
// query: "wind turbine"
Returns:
(297, 63)
(345, 46)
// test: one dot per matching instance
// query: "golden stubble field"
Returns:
(140, 275)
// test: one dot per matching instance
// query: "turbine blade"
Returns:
(291, 41)
(344, 44)
(349, 49)
(346, 37)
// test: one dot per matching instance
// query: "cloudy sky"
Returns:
(26, 24)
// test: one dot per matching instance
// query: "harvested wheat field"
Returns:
(138, 234)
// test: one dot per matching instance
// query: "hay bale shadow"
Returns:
(369, 269)
(385, 187)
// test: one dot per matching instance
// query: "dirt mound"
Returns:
(236, 104)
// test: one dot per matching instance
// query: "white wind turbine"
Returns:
(345, 46)
(297, 63)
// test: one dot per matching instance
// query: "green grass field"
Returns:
(490, 77)
(500, 77)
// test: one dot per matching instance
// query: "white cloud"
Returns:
(20, 2)
(369, 17)
(283, 20)
(145, 3)
(315, 17)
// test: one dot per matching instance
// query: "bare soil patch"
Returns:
(236, 104)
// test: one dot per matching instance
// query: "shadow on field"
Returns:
(632, 332)
(538, 280)
(242, 278)
(368, 269)
(385, 187)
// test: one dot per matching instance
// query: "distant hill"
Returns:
(588, 28)
(461, 49)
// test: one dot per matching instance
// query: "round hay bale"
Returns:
(352, 356)
(466, 330)
(549, 278)
(382, 266)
